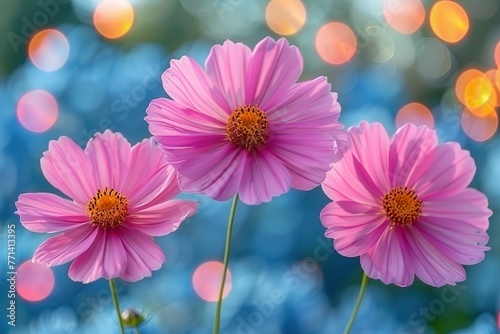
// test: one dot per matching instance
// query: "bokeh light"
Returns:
(285, 17)
(415, 113)
(37, 111)
(478, 92)
(336, 43)
(496, 81)
(486, 90)
(449, 21)
(474, 89)
(404, 16)
(493, 76)
(34, 281)
(207, 278)
(483, 110)
(479, 129)
(113, 18)
(48, 49)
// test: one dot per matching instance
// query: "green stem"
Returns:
(227, 251)
(117, 307)
(136, 330)
(354, 313)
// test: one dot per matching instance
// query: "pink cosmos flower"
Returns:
(244, 125)
(122, 198)
(402, 205)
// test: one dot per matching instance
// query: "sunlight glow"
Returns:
(449, 21)
(336, 43)
(415, 113)
(404, 16)
(113, 18)
(34, 281)
(479, 129)
(37, 111)
(207, 279)
(475, 89)
(48, 49)
(285, 17)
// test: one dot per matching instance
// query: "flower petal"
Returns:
(161, 219)
(315, 96)
(181, 132)
(188, 84)
(358, 208)
(264, 177)
(458, 240)
(272, 69)
(337, 217)
(158, 188)
(110, 158)
(143, 254)
(392, 257)
(217, 175)
(303, 141)
(168, 118)
(226, 65)
(150, 180)
(353, 235)
(306, 156)
(434, 179)
(370, 145)
(457, 225)
(347, 181)
(68, 169)
(66, 246)
(48, 213)
(430, 264)
(146, 159)
(409, 145)
(341, 144)
(199, 151)
(368, 266)
(469, 206)
(105, 258)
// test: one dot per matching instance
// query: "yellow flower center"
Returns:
(108, 208)
(248, 127)
(402, 206)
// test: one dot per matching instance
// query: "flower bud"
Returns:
(132, 318)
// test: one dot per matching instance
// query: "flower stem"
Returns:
(227, 251)
(354, 313)
(136, 330)
(117, 307)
